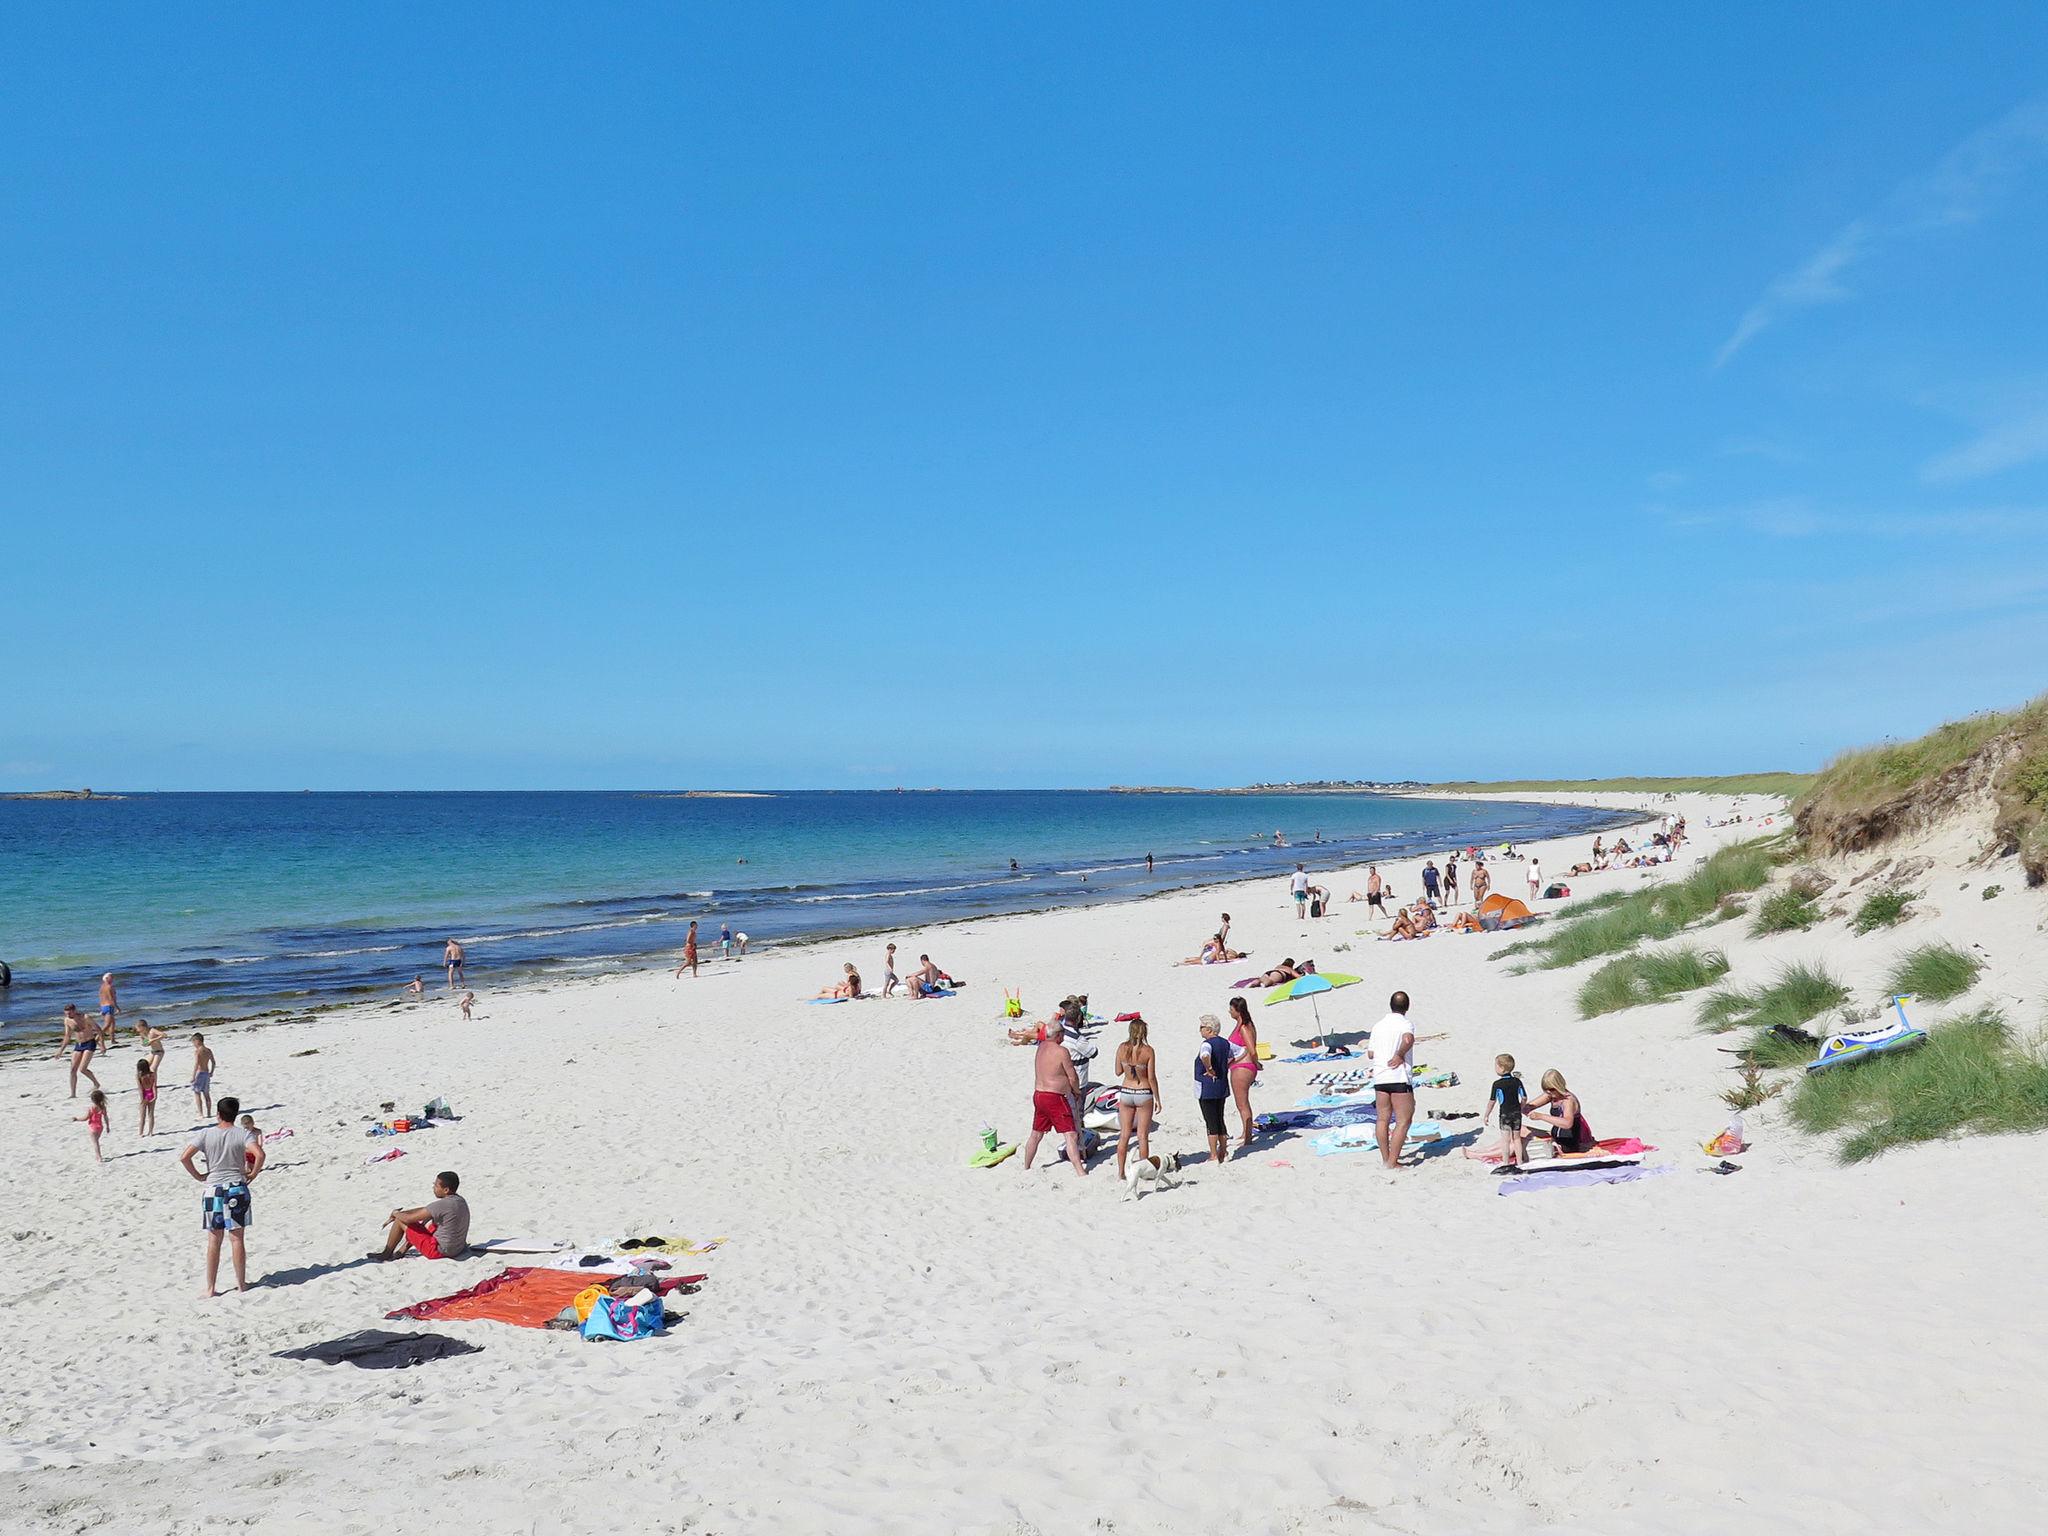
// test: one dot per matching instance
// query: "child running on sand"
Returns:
(202, 1075)
(95, 1121)
(145, 1087)
(468, 1002)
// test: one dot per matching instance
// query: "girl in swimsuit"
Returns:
(1563, 1123)
(1244, 1064)
(145, 1087)
(1137, 1094)
(95, 1121)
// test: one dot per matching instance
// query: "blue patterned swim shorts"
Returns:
(226, 1208)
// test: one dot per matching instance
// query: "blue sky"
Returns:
(1031, 395)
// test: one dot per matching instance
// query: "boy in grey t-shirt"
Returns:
(437, 1230)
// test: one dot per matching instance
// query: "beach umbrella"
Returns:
(1311, 986)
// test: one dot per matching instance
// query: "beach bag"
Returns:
(612, 1318)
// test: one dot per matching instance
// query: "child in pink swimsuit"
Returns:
(145, 1087)
(95, 1121)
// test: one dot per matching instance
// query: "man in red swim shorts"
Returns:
(1053, 1084)
(437, 1230)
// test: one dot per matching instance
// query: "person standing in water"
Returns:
(452, 958)
(1148, 863)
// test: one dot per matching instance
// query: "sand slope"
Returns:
(893, 1341)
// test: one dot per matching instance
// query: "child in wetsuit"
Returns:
(1506, 1097)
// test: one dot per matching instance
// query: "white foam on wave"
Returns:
(920, 890)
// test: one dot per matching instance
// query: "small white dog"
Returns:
(1158, 1172)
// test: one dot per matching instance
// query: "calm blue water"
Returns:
(231, 904)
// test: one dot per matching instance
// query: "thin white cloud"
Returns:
(2020, 438)
(1799, 517)
(1956, 192)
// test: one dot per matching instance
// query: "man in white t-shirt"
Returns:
(1299, 886)
(1535, 877)
(1393, 1085)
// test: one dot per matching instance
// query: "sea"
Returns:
(214, 906)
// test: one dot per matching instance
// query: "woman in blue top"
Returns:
(1212, 1086)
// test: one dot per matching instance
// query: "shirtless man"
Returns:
(927, 977)
(81, 1039)
(452, 958)
(1375, 890)
(202, 1075)
(1053, 1086)
(689, 952)
(110, 1009)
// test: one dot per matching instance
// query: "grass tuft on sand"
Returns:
(1936, 972)
(1618, 921)
(1777, 1014)
(1881, 909)
(1630, 981)
(1969, 1076)
(1785, 911)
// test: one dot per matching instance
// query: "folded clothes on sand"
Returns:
(376, 1349)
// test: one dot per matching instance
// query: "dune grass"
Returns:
(1881, 909)
(1784, 912)
(1618, 921)
(1798, 995)
(1853, 801)
(1969, 1076)
(1936, 972)
(1629, 981)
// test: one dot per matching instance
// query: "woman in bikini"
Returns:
(847, 988)
(1556, 1116)
(1244, 1064)
(1284, 971)
(1137, 1093)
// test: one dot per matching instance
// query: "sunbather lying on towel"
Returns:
(848, 988)
(1215, 952)
(1286, 970)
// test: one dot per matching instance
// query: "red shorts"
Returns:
(423, 1242)
(1051, 1112)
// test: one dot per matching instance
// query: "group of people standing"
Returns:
(1225, 1068)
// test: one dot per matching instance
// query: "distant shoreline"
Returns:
(61, 794)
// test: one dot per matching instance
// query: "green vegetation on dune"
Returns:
(1618, 921)
(1787, 785)
(1629, 981)
(1778, 1013)
(1936, 972)
(1883, 908)
(1969, 1076)
(1864, 797)
(1784, 912)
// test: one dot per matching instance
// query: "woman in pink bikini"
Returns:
(1244, 1064)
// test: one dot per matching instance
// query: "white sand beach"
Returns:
(894, 1341)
